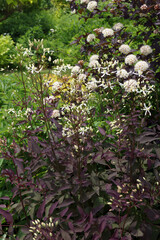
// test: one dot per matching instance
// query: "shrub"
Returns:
(75, 177)
(6, 49)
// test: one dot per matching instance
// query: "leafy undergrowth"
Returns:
(81, 152)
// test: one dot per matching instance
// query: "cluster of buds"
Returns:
(131, 195)
(42, 229)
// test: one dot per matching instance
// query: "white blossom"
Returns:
(56, 86)
(144, 7)
(94, 57)
(131, 59)
(82, 77)
(73, 11)
(91, 6)
(49, 59)
(147, 109)
(141, 66)
(28, 111)
(94, 64)
(75, 70)
(48, 99)
(145, 50)
(124, 48)
(122, 73)
(55, 113)
(84, 1)
(34, 69)
(108, 32)
(92, 84)
(90, 37)
(118, 26)
(130, 85)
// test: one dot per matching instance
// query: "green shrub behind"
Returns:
(6, 49)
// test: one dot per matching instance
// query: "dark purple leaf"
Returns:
(71, 226)
(5, 198)
(65, 235)
(102, 226)
(69, 215)
(63, 212)
(19, 165)
(110, 136)
(2, 206)
(64, 188)
(96, 237)
(33, 147)
(80, 210)
(87, 227)
(53, 207)
(66, 203)
(102, 131)
(157, 164)
(97, 209)
(49, 198)
(28, 236)
(41, 209)
(7, 216)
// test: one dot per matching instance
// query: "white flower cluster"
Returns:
(118, 26)
(59, 70)
(75, 70)
(58, 61)
(67, 132)
(82, 77)
(93, 62)
(27, 52)
(141, 66)
(83, 130)
(28, 111)
(55, 113)
(108, 32)
(56, 86)
(69, 128)
(146, 50)
(144, 7)
(90, 37)
(94, 57)
(125, 49)
(20, 113)
(84, 1)
(91, 85)
(49, 99)
(122, 73)
(130, 85)
(32, 69)
(92, 6)
(131, 59)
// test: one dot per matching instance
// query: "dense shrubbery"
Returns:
(6, 49)
(58, 27)
(84, 157)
